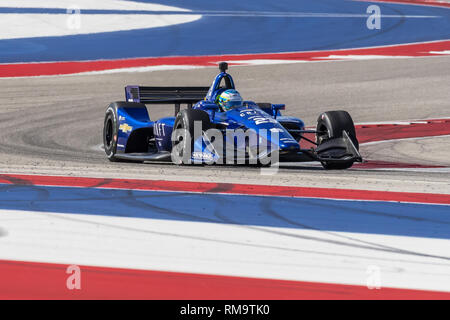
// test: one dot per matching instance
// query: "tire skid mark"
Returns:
(28, 138)
(221, 188)
(3, 232)
(230, 242)
(183, 236)
(373, 212)
(83, 198)
(237, 189)
(15, 182)
(349, 42)
(135, 202)
(102, 183)
(139, 199)
(287, 234)
(266, 207)
(214, 240)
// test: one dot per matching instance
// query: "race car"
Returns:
(219, 127)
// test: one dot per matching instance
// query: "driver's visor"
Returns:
(233, 104)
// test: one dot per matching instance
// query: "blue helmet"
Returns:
(229, 99)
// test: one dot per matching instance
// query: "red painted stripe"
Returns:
(226, 188)
(418, 2)
(71, 67)
(383, 132)
(388, 131)
(28, 280)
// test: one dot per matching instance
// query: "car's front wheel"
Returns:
(184, 135)
(330, 125)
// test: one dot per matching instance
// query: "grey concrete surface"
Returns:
(431, 151)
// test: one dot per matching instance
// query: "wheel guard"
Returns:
(338, 150)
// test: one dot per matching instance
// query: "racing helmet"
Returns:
(229, 99)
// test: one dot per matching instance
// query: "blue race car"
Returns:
(218, 127)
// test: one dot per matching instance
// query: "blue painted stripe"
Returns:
(387, 218)
(216, 35)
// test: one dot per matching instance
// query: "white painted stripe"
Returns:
(441, 52)
(88, 5)
(120, 70)
(402, 139)
(139, 69)
(16, 26)
(361, 57)
(255, 62)
(425, 170)
(275, 253)
(403, 122)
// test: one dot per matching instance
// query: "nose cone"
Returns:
(289, 145)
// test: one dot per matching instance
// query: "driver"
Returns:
(229, 99)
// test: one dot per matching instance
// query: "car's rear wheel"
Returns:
(330, 125)
(110, 130)
(184, 135)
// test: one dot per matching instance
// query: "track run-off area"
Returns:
(380, 230)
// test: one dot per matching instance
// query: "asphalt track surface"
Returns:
(53, 125)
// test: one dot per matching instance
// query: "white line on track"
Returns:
(425, 170)
(402, 122)
(310, 15)
(402, 139)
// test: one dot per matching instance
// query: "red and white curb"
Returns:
(425, 49)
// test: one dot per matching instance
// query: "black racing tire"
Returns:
(111, 128)
(185, 120)
(110, 132)
(330, 125)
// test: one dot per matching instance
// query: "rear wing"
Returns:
(166, 95)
